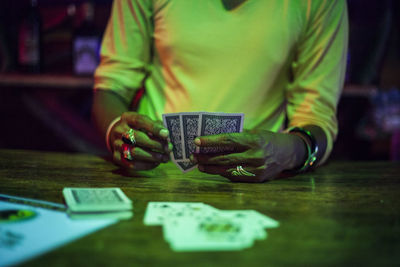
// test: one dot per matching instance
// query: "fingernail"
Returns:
(164, 133)
(197, 141)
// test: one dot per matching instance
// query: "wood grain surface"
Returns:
(344, 213)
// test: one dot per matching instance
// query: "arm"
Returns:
(125, 57)
(125, 60)
(106, 107)
(262, 153)
(318, 74)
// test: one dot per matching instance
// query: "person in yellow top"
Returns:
(280, 62)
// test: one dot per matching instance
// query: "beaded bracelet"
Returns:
(311, 145)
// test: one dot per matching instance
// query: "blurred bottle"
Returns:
(5, 53)
(86, 43)
(30, 39)
(58, 30)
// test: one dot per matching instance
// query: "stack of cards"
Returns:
(185, 127)
(97, 203)
(194, 226)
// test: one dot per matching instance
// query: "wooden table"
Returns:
(345, 213)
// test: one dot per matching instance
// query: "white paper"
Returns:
(49, 229)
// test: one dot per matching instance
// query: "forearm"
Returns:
(106, 107)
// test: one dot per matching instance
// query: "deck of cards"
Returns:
(186, 126)
(194, 226)
(86, 203)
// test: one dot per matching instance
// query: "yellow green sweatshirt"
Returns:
(268, 59)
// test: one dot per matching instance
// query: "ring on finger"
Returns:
(240, 171)
(126, 152)
(129, 137)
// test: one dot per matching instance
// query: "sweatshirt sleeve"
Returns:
(126, 48)
(319, 69)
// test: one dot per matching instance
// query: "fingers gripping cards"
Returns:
(219, 123)
(186, 126)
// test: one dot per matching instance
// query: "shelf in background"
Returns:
(355, 90)
(67, 81)
(55, 81)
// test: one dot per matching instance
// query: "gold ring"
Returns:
(129, 137)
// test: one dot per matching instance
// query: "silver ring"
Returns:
(235, 173)
(129, 137)
(241, 172)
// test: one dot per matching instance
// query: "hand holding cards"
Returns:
(97, 202)
(185, 127)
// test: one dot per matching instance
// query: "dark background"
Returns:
(51, 110)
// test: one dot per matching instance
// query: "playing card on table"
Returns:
(195, 226)
(206, 233)
(96, 199)
(157, 212)
(255, 221)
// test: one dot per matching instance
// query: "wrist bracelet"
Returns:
(110, 126)
(311, 145)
